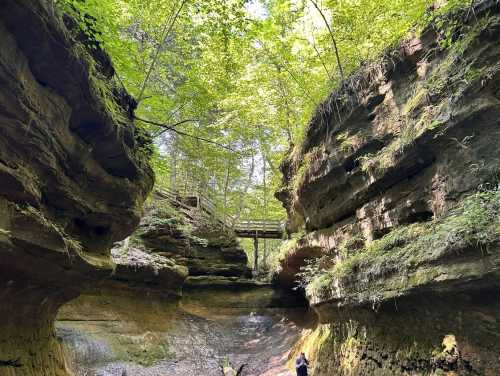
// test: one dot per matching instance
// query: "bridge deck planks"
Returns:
(262, 228)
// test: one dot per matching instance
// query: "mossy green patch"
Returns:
(474, 223)
(300, 173)
(71, 245)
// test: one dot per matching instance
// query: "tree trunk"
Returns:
(244, 193)
(264, 183)
(167, 28)
(226, 188)
(173, 175)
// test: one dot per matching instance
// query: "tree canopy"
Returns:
(227, 86)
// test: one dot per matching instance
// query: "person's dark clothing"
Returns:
(301, 366)
(302, 371)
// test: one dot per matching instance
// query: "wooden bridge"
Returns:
(268, 229)
(255, 228)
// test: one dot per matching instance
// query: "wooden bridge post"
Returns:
(256, 253)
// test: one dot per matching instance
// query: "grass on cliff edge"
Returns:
(475, 222)
(454, 37)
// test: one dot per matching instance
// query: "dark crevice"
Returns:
(352, 161)
(419, 216)
(84, 227)
(10, 363)
(371, 116)
(377, 234)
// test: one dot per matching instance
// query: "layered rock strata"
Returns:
(396, 189)
(172, 243)
(73, 177)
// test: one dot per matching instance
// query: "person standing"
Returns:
(301, 365)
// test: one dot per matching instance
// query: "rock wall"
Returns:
(396, 191)
(74, 173)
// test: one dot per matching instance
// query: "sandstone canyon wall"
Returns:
(73, 176)
(395, 190)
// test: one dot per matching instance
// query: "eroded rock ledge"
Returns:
(172, 243)
(182, 252)
(396, 191)
(74, 173)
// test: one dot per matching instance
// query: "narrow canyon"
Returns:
(390, 262)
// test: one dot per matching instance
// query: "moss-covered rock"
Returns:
(181, 240)
(435, 334)
(73, 179)
(395, 187)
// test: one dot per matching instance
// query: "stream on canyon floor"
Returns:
(109, 336)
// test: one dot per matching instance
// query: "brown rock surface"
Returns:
(396, 186)
(172, 243)
(73, 177)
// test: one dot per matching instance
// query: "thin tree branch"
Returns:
(471, 10)
(169, 125)
(181, 122)
(334, 42)
(171, 128)
(321, 59)
(176, 110)
(164, 33)
(278, 66)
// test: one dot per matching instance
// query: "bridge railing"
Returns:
(190, 199)
(259, 225)
(246, 228)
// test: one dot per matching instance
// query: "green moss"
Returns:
(145, 146)
(435, 124)
(135, 327)
(351, 142)
(300, 173)
(298, 177)
(287, 248)
(103, 90)
(312, 343)
(416, 100)
(71, 245)
(164, 217)
(459, 70)
(144, 350)
(474, 223)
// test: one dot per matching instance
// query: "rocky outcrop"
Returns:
(215, 251)
(174, 242)
(178, 250)
(131, 323)
(396, 188)
(74, 173)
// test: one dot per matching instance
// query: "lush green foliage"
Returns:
(244, 75)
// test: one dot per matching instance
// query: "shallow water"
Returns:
(197, 341)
